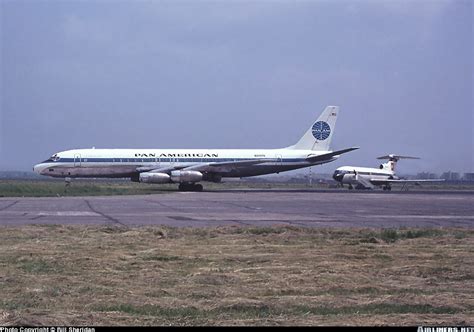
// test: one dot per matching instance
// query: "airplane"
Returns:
(369, 178)
(187, 167)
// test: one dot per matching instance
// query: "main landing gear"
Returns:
(190, 187)
(387, 188)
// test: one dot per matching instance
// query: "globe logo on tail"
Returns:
(321, 130)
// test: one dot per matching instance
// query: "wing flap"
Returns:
(226, 166)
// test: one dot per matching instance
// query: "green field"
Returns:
(48, 188)
(83, 275)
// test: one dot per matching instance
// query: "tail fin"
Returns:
(319, 135)
(392, 161)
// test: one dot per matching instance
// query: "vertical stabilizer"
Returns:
(392, 161)
(319, 135)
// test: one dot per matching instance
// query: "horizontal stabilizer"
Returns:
(329, 155)
(394, 157)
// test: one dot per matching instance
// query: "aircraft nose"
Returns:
(38, 168)
(337, 176)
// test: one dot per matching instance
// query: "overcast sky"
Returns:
(238, 74)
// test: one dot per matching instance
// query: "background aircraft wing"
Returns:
(385, 181)
(329, 155)
(414, 180)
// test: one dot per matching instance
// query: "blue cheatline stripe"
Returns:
(370, 173)
(164, 160)
(363, 173)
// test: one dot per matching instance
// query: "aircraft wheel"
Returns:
(198, 187)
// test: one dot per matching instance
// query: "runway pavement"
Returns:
(255, 208)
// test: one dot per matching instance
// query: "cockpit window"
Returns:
(53, 158)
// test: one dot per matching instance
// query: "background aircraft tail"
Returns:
(392, 161)
(319, 135)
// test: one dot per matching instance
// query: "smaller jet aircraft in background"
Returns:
(369, 178)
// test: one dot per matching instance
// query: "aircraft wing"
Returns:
(213, 167)
(326, 156)
(226, 166)
(379, 181)
(154, 169)
(372, 182)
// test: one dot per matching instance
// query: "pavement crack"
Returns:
(162, 204)
(241, 206)
(8, 206)
(103, 214)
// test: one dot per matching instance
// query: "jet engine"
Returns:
(154, 178)
(186, 176)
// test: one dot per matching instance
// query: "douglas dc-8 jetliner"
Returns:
(189, 166)
(369, 178)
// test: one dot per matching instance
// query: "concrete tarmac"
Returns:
(340, 209)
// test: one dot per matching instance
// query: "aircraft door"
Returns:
(279, 159)
(77, 160)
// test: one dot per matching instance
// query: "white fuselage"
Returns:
(189, 166)
(350, 174)
(123, 163)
